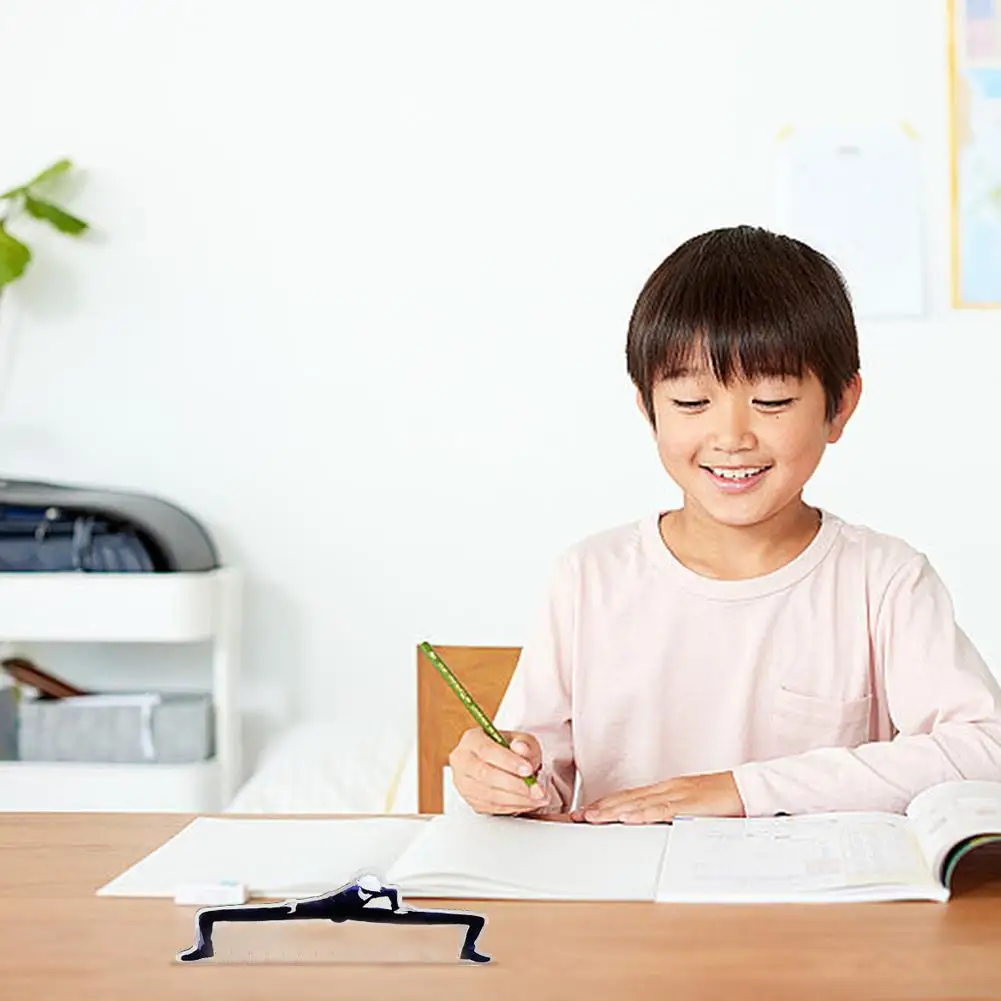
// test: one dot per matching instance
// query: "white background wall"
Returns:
(360, 278)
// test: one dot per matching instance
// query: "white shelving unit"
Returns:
(129, 608)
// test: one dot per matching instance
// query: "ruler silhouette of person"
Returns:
(348, 903)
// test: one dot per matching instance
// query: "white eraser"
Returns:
(211, 894)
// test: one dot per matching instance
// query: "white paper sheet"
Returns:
(855, 195)
(469, 855)
(271, 857)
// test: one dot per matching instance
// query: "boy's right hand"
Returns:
(490, 778)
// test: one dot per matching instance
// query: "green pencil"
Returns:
(467, 700)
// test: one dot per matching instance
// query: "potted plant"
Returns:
(31, 199)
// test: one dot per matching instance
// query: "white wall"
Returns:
(361, 274)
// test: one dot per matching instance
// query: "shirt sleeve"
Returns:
(943, 701)
(538, 699)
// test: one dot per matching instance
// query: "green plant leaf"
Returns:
(63, 221)
(14, 257)
(13, 193)
(59, 167)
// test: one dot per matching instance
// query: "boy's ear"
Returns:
(642, 408)
(849, 401)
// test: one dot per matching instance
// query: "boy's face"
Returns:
(742, 453)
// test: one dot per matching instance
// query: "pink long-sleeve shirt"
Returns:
(840, 681)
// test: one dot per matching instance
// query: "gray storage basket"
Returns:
(8, 723)
(175, 729)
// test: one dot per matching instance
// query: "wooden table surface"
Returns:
(58, 940)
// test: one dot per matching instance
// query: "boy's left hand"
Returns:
(712, 795)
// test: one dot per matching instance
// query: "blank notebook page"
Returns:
(509, 857)
(273, 858)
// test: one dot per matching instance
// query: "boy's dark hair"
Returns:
(754, 303)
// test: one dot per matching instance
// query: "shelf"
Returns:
(109, 607)
(43, 786)
(130, 608)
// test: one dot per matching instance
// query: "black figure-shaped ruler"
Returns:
(348, 903)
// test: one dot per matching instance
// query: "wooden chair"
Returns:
(442, 719)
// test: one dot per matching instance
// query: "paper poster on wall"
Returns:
(975, 154)
(855, 195)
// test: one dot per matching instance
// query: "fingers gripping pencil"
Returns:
(467, 700)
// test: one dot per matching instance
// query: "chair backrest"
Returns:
(442, 718)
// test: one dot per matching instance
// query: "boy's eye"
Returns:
(766, 404)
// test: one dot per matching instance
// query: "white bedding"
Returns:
(323, 768)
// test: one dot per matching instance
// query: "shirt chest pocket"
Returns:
(803, 722)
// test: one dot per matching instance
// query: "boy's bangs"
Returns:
(731, 352)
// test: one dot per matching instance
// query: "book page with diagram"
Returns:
(948, 814)
(821, 857)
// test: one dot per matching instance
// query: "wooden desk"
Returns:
(57, 940)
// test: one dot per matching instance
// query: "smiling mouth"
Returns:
(736, 474)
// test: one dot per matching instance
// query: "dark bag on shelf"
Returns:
(46, 527)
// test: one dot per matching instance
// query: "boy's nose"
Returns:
(733, 431)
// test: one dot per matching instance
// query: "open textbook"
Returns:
(815, 857)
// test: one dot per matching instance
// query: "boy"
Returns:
(746, 654)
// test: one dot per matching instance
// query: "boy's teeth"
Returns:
(737, 473)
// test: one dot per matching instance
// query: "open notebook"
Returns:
(819, 857)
